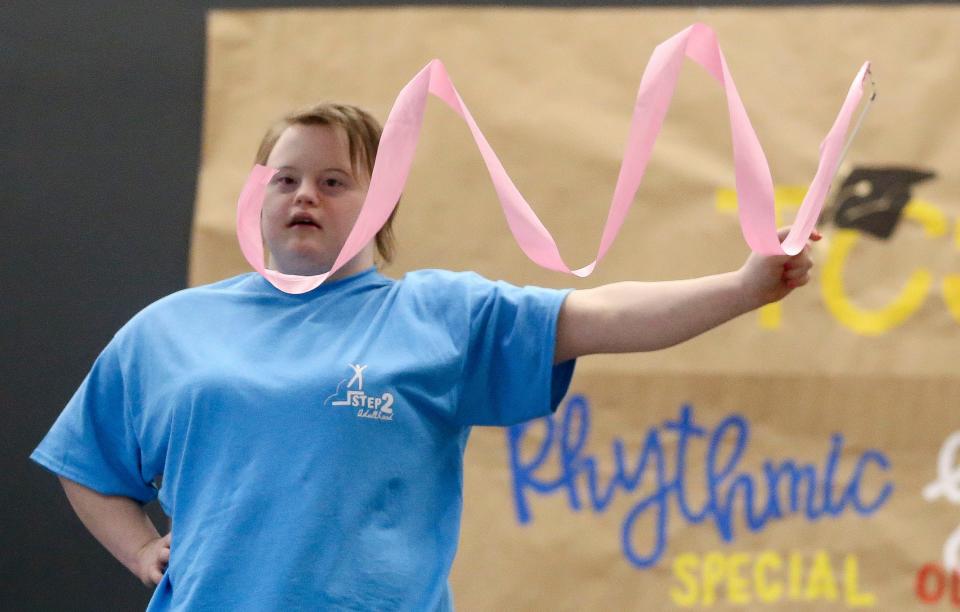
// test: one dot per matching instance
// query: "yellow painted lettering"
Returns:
(861, 320)
(684, 568)
(713, 570)
(951, 295)
(851, 585)
(951, 284)
(767, 591)
(796, 574)
(932, 219)
(785, 197)
(821, 583)
(726, 200)
(771, 315)
(738, 588)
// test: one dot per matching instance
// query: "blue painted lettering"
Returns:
(786, 487)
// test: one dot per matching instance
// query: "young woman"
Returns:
(311, 445)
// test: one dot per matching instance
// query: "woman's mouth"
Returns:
(302, 219)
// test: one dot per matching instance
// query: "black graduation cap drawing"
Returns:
(872, 199)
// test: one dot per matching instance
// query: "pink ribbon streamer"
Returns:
(402, 132)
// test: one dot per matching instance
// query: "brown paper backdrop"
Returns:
(553, 91)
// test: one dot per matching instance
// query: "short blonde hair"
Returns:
(363, 133)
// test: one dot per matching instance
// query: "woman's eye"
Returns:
(284, 181)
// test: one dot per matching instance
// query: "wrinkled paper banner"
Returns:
(401, 134)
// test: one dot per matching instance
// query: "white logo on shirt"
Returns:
(379, 407)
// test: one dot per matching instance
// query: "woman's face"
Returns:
(312, 201)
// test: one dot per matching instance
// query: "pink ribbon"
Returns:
(402, 131)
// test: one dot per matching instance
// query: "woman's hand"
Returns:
(628, 317)
(770, 278)
(152, 560)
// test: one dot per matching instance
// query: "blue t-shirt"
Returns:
(310, 446)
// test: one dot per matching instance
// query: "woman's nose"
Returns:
(306, 194)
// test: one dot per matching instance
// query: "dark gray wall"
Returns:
(100, 125)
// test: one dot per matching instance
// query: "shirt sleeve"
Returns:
(509, 376)
(93, 442)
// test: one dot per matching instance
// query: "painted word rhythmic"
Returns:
(813, 492)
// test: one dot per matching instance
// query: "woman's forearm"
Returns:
(628, 317)
(634, 316)
(119, 523)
